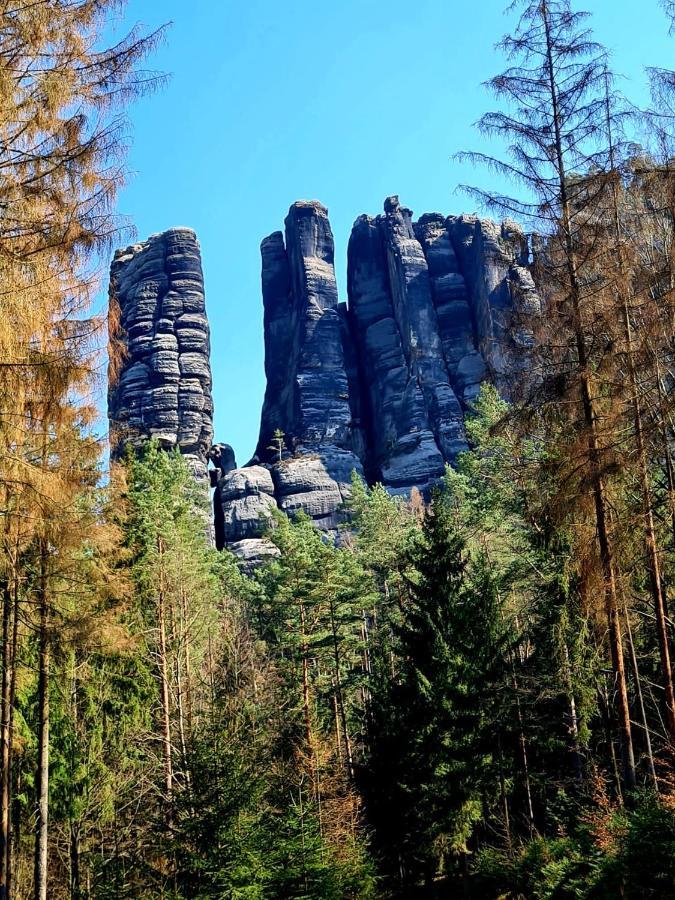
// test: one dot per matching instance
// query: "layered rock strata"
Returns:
(379, 385)
(160, 379)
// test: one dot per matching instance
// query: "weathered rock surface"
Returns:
(159, 333)
(493, 258)
(253, 552)
(307, 347)
(246, 498)
(379, 385)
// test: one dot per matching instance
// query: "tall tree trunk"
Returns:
(651, 545)
(338, 734)
(178, 644)
(188, 658)
(339, 694)
(306, 710)
(42, 775)
(5, 758)
(641, 704)
(590, 420)
(522, 744)
(656, 582)
(75, 878)
(504, 798)
(574, 722)
(609, 737)
(164, 692)
(74, 835)
(15, 813)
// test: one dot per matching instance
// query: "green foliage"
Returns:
(435, 722)
(626, 853)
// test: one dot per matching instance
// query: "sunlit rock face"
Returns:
(309, 396)
(160, 381)
(435, 308)
(378, 384)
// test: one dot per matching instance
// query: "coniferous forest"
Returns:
(466, 694)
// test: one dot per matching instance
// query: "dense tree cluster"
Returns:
(469, 692)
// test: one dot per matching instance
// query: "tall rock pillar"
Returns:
(160, 376)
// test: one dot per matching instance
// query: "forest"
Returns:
(469, 694)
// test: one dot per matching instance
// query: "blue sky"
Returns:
(345, 102)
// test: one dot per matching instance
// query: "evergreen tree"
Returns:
(435, 721)
(555, 120)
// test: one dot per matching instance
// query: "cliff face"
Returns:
(379, 385)
(159, 333)
(308, 395)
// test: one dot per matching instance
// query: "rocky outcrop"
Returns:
(415, 421)
(159, 343)
(493, 258)
(307, 347)
(379, 385)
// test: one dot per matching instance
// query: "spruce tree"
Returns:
(435, 720)
(554, 120)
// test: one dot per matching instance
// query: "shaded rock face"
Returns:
(160, 335)
(380, 384)
(501, 293)
(308, 366)
(435, 307)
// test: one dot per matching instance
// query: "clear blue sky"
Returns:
(344, 101)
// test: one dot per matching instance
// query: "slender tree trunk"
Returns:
(339, 693)
(590, 420)
(74, 835)
(14, 819)
(574, 722)
(5, 758)
(15, 833)
(75, 880)
(641, 704)
(504, 798)
(651, 546)
(42, 775)
(178, 642)
(656, 584)
(607, 718)
(522, 742)
(338, 735)
(164, 693)
(662, 394)
(307, 714)
(188, 659)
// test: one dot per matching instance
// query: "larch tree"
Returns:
(61, 163)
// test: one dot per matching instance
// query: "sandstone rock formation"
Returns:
(159, 338)
(308, 390)
(378, 385)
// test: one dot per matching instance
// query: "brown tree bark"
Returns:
(163, 668)
(42, 774)
(590, 421)
(651, 545)
(5, 760)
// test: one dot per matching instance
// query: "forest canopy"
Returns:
(465, 691)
